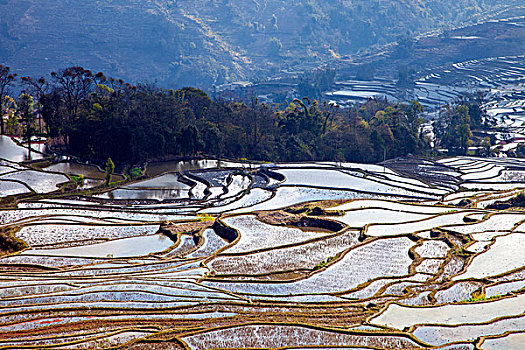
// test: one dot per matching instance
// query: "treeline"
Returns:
(95, 117)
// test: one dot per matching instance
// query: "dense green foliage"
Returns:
(457, 135)
(95, 117)
(110, 168)
(457, 121)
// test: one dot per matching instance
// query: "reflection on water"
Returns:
(10, 188)
(155, 194)
(11, 151)
(39, 147)
(89, 171)
(90, 183)
(120, 248)
(157, 168)
(166, 182)
(72, 168)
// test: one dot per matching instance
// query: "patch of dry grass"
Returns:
(9, 243)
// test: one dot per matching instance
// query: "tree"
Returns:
(26, 111)
(456, 135)
(485, 144)
(38, 88)
(463, 128)
(212, 138)
(190, 140)
(11, 107)
(404, 46)
(312, 84)
(100, 118)
(413, 115)
(74, 84)
(405, 75)
(6, 79)
(51, 109)
(195, 99)
(110, 168)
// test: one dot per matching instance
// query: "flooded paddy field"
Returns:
(436, 86)
(416, 254)
(500, 80)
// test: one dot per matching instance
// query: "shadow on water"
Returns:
(158, 168)
(72, 168)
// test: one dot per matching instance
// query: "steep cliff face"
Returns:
(206, 42)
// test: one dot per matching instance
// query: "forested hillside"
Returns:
(207, 42)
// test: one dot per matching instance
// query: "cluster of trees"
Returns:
(314, 83)
(457, 134)
(16, 116)
(453, 130)
(95, 117)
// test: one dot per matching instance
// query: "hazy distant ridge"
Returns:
(205, 42)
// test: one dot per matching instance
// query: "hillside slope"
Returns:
(206, 42)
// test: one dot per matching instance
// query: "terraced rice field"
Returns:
(295, 256)
(500, 78)
(436, 86)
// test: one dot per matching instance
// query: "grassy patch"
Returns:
(462, 252)
(205, 218)
(481, 298)
(78, 179)
(325, 263)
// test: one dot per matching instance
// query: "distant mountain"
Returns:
(212, 42)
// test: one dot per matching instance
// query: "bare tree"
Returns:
(37, 88)
(75, 84)
(27, 117)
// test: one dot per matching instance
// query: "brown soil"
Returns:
(186, 227)
(278, 217)
(9, 243)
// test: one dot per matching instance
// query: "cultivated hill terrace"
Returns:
(210, 254)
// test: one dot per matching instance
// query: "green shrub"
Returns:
(136, 173)
(78, 179)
